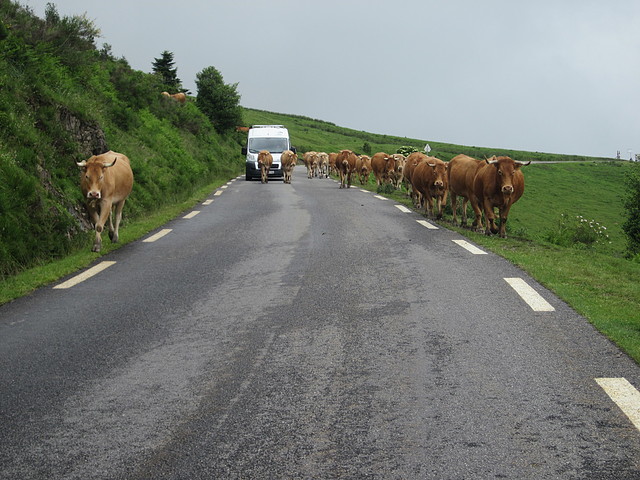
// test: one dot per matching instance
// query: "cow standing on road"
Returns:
(106, 182)
(346, 165)
(430, 179)
(289, 160)
(265, 159)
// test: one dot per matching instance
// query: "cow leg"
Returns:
(477, 222)
(114, 234)
(454, 208)
(349, 180)
(504, 214)
(442, 201)
(465, 202)
(490, 218)
(105, 212)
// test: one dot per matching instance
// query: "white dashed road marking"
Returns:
(471, 248)
(624, 395)
(424, 223)
(208, 202)
(402, 208)
(192, 214)
(157, 236)
(85, 275)
(219, 192)
(529, 295)
(380, 197)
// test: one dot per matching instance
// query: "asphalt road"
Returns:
(306, 332)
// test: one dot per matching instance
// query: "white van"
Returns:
(275, 139)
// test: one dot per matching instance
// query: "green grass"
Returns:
(130, 230)
(597, 281)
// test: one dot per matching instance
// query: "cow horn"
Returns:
(522, 164)
(82, 163)
(107, 165)
(491, 161)
(432, 165)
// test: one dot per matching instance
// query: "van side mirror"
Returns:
(244, 150)
(293, 149)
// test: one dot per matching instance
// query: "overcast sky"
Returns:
(558, 76)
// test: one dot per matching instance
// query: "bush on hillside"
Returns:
(631, 226)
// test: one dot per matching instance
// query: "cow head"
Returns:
(439, 174)
(93, 177)
(505, 170)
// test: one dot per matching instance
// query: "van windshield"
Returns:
(274, 145)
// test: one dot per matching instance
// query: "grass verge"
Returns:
(130, 231)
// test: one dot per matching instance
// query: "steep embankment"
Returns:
(63, 100)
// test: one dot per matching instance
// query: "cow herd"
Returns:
(489, 184)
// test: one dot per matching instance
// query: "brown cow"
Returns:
(289, 160)
(310, 160)
(323, 165)
(462, 172)
(346, 165)
(106, 182)
(363, 168)
(498, 183)
(430, 179)
(398, 170)
(332, 163)
(382, 166)
(412, 161)
(178, 97)
(265, 159)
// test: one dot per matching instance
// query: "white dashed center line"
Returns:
(529, 295)
(424, 223)
(192, 214)
(624, 395)
(85, 275)
(471, 248)
(157, 236)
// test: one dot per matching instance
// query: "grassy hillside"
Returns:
(312, 134)
(63, 100)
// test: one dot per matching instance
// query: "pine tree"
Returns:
(164, 67)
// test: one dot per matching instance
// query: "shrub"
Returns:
(577, 231)
(631, 226)
(407, 150)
